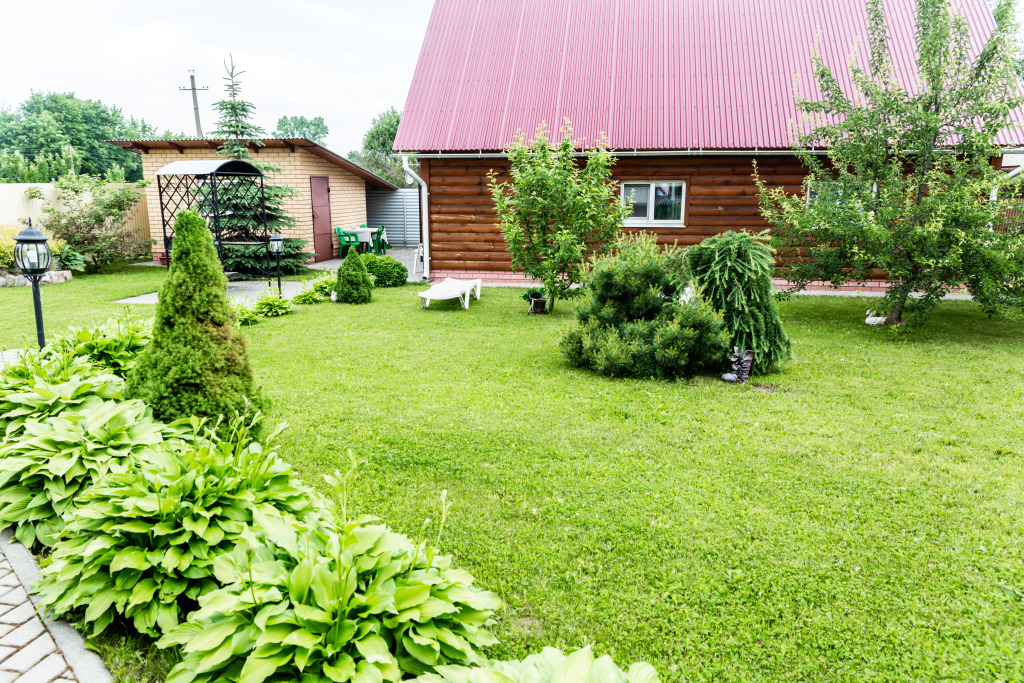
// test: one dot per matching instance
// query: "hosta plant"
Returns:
(55, 459)
(246, 313)
(113, 345)
(270, 304)
(326, 284)
(38, 390)
(308, 294)
(359, 604)
(143, 543)
(549, 666)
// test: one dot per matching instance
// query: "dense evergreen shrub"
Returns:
(251, 259)
(632, 323)
(386, 271)
(197, 363)
(354, 285)
(733, 271)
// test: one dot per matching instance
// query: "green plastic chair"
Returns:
(380, 242)
(347, 239)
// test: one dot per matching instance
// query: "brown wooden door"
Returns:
(320, 188)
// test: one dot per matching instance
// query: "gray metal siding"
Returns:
(398, 211)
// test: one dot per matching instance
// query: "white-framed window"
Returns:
(830, 191)
(660, 202)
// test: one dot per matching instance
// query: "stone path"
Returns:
(27, 650)
(35, 649)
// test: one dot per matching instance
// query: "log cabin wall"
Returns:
(720, 195)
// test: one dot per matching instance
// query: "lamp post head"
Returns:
(31, 251)
(276, 244)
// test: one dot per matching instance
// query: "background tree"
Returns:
(556, 212)
(290, 127)
(47, 124)
(197, 363)
(91, 216)
(905, 181)
(377, 154)
(15, 167)
(236, 128)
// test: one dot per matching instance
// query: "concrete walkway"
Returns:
(34, 649)
(238, 291)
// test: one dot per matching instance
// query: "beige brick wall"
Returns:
(348, 191)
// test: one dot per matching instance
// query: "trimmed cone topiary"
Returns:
(354, 284)
(197, 363)
(733, 271)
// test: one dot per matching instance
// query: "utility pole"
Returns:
(195, 100)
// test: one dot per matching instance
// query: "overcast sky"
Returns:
(346, 60)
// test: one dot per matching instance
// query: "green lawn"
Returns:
(858, 517)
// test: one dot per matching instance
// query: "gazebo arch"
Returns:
(228, 193)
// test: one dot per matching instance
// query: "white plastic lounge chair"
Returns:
(452, 289)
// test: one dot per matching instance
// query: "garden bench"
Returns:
(451, 288)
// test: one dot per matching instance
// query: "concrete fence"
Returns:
(16, 208)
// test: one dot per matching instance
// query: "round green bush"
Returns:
(386, 271)
(632, 323)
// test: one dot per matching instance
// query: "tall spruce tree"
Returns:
(197, 363)
(238, 131)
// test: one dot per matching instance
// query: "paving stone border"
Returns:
(37, 649)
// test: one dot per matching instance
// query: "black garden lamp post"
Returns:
(32, 256)
(276, 247)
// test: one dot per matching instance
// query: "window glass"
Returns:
(668, 202)
(639, 194)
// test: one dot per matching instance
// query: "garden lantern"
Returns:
(32, 257)
(276, 246)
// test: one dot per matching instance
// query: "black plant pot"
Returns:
(538, 305)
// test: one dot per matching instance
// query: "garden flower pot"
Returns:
(538, 305)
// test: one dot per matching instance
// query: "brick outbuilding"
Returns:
(330, 190)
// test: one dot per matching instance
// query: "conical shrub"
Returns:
(733, 271)
(197, 363)
(354, 283)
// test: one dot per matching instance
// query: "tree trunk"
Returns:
(896, 315)
(551, 304)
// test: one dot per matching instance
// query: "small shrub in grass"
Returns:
(308, 294)
(55, 459)
(354, 285)
(245, 313)
(359, 604)
(632, 324)
(734, 270)
(326, 284)
(197, 363)
(270, 304)
(549, 666)
(142, 543)
(386, 271)
(114, 345)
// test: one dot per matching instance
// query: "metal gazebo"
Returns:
(228, 193)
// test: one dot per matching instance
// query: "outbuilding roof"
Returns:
(144, 146)
(652, 74)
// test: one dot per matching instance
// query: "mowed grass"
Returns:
(855, 517)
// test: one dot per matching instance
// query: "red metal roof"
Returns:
(652, 74)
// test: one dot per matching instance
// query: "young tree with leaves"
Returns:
(555, 213)
(293, 127)
(236, 128)
(377, 154)
(904, 183)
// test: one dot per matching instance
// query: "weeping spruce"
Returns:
(733, 272)
(197, 363)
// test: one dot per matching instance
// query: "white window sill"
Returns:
(634, 223)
